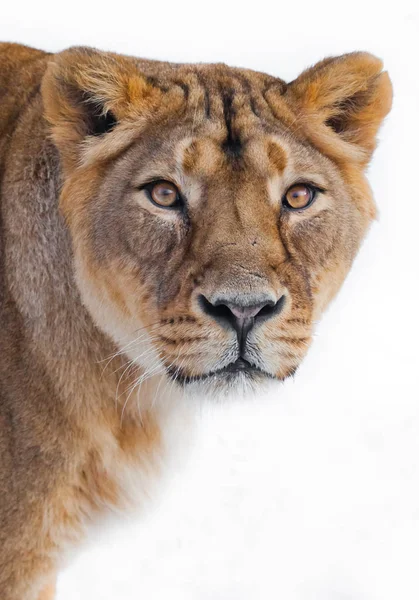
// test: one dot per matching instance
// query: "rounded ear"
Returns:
(87, 92)
(341, 103)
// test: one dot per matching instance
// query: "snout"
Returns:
(251, 321)
(241, 312)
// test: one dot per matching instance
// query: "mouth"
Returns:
(239, 368)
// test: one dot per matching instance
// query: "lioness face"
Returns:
(214, 211)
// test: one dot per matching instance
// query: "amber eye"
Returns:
(163, 193)
(299, 196)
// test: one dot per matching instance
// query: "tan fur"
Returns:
(100, 289)
(48, 593)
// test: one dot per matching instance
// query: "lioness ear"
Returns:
(341, 103)
(87, 92)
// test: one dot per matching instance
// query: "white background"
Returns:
(311, 493)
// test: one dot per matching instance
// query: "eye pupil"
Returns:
(299, 196)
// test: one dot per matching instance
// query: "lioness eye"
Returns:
(299, 196)
(163, 193)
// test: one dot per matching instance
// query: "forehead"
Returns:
(213, 153)
(232, 121)
(227, 119)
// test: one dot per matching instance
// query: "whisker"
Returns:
(121, 350)
(139, 382)
(133, 362)
(144, 337)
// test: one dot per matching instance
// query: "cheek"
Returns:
(326, 245)
(160, 250)
(151, 241)
(136, 247)
(317, 239)
(328, 232)
(112, 291)
(132, 233)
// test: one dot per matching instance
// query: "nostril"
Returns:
(214, 310)
(238, 312)
(271, 309)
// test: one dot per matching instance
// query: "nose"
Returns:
(241, 313)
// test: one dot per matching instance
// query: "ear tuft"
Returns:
(345, 98)
(87, 92)
(102, 122)
(95, 118)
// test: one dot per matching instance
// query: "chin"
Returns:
(238, 379)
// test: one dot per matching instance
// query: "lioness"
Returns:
(163, 227)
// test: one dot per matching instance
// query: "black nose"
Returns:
(241, 313)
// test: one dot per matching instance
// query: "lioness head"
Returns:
(214, 211)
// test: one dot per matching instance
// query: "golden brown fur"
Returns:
(93, 275)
